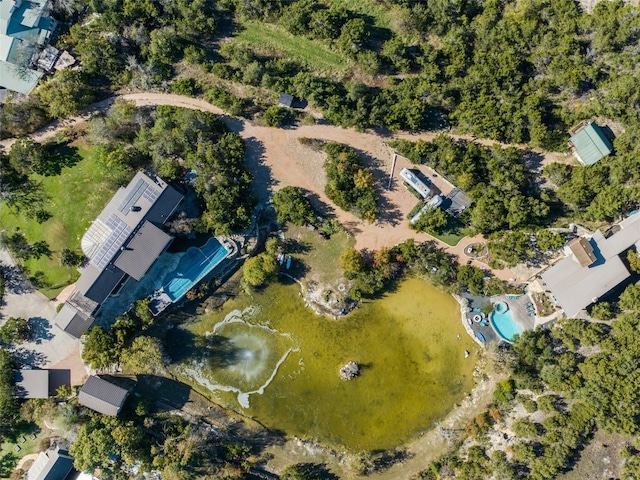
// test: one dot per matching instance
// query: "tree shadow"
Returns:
(168, 394)
(263, 180)
(223, 353)
(321, 208)
(57, 157)
(291, 245)
(181, 344)
(40, 329)
(15, 281)
(385, 460)
(24, 356)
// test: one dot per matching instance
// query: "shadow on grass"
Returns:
(58, 157)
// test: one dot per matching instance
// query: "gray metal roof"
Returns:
(142, 250)
(164, 206)
(32, 383)
(96, 284)
(72, 320)
(576, 286)
(102, 396)
(54, 464)
(285, 100)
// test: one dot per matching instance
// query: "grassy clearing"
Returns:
(28, 441)
(314, 54)
(453, 232)
(318, 255)
(74, 199)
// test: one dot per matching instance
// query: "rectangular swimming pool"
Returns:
(194, 265)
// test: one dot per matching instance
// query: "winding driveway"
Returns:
(277, 160)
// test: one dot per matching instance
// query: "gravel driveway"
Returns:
(50, 344)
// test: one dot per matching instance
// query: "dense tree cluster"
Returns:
(371, 272)
(350, 184)
(123, 343)
(505, 71)
(180, 140)
(494, 177)
(293, 206)
(9, 408)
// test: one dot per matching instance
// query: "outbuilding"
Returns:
(589, 144)
(102, 396)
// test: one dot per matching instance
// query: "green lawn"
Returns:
(74, 198)
(319, 255)
(453, 232)
(316, 55)
(9, 457)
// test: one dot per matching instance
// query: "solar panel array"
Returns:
(133, 196)
(151, 194)
(120, 231)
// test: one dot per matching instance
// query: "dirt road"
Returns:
(278, 160)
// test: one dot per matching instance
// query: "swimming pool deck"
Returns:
(517, 305)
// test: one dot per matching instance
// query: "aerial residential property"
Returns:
(121, 245)
(25, 31)
(592, 267)
(589, 144)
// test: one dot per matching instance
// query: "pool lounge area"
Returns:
(195, 264)
(511, 315)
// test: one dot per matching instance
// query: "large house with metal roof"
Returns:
(589, 144)
(592, 267)
(120, 246)
(25, 30)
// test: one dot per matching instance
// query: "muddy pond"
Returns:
(269, 357)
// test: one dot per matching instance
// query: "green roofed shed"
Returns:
(590, 144)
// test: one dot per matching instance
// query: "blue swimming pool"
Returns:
(193, 266)
(505, 325)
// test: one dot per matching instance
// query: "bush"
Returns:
(185, 86)
(292, 206)
(275, 116)
(221, 98)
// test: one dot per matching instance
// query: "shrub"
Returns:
(275, 116)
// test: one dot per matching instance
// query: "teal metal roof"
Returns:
(590, 144)
(18, 79)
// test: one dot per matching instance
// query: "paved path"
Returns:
(276, 164)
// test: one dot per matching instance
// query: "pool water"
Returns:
(504, 324)
(193, 266)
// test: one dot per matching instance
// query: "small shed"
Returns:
(32, 383)
(589, 143)
(285, 100)
(102, 396)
